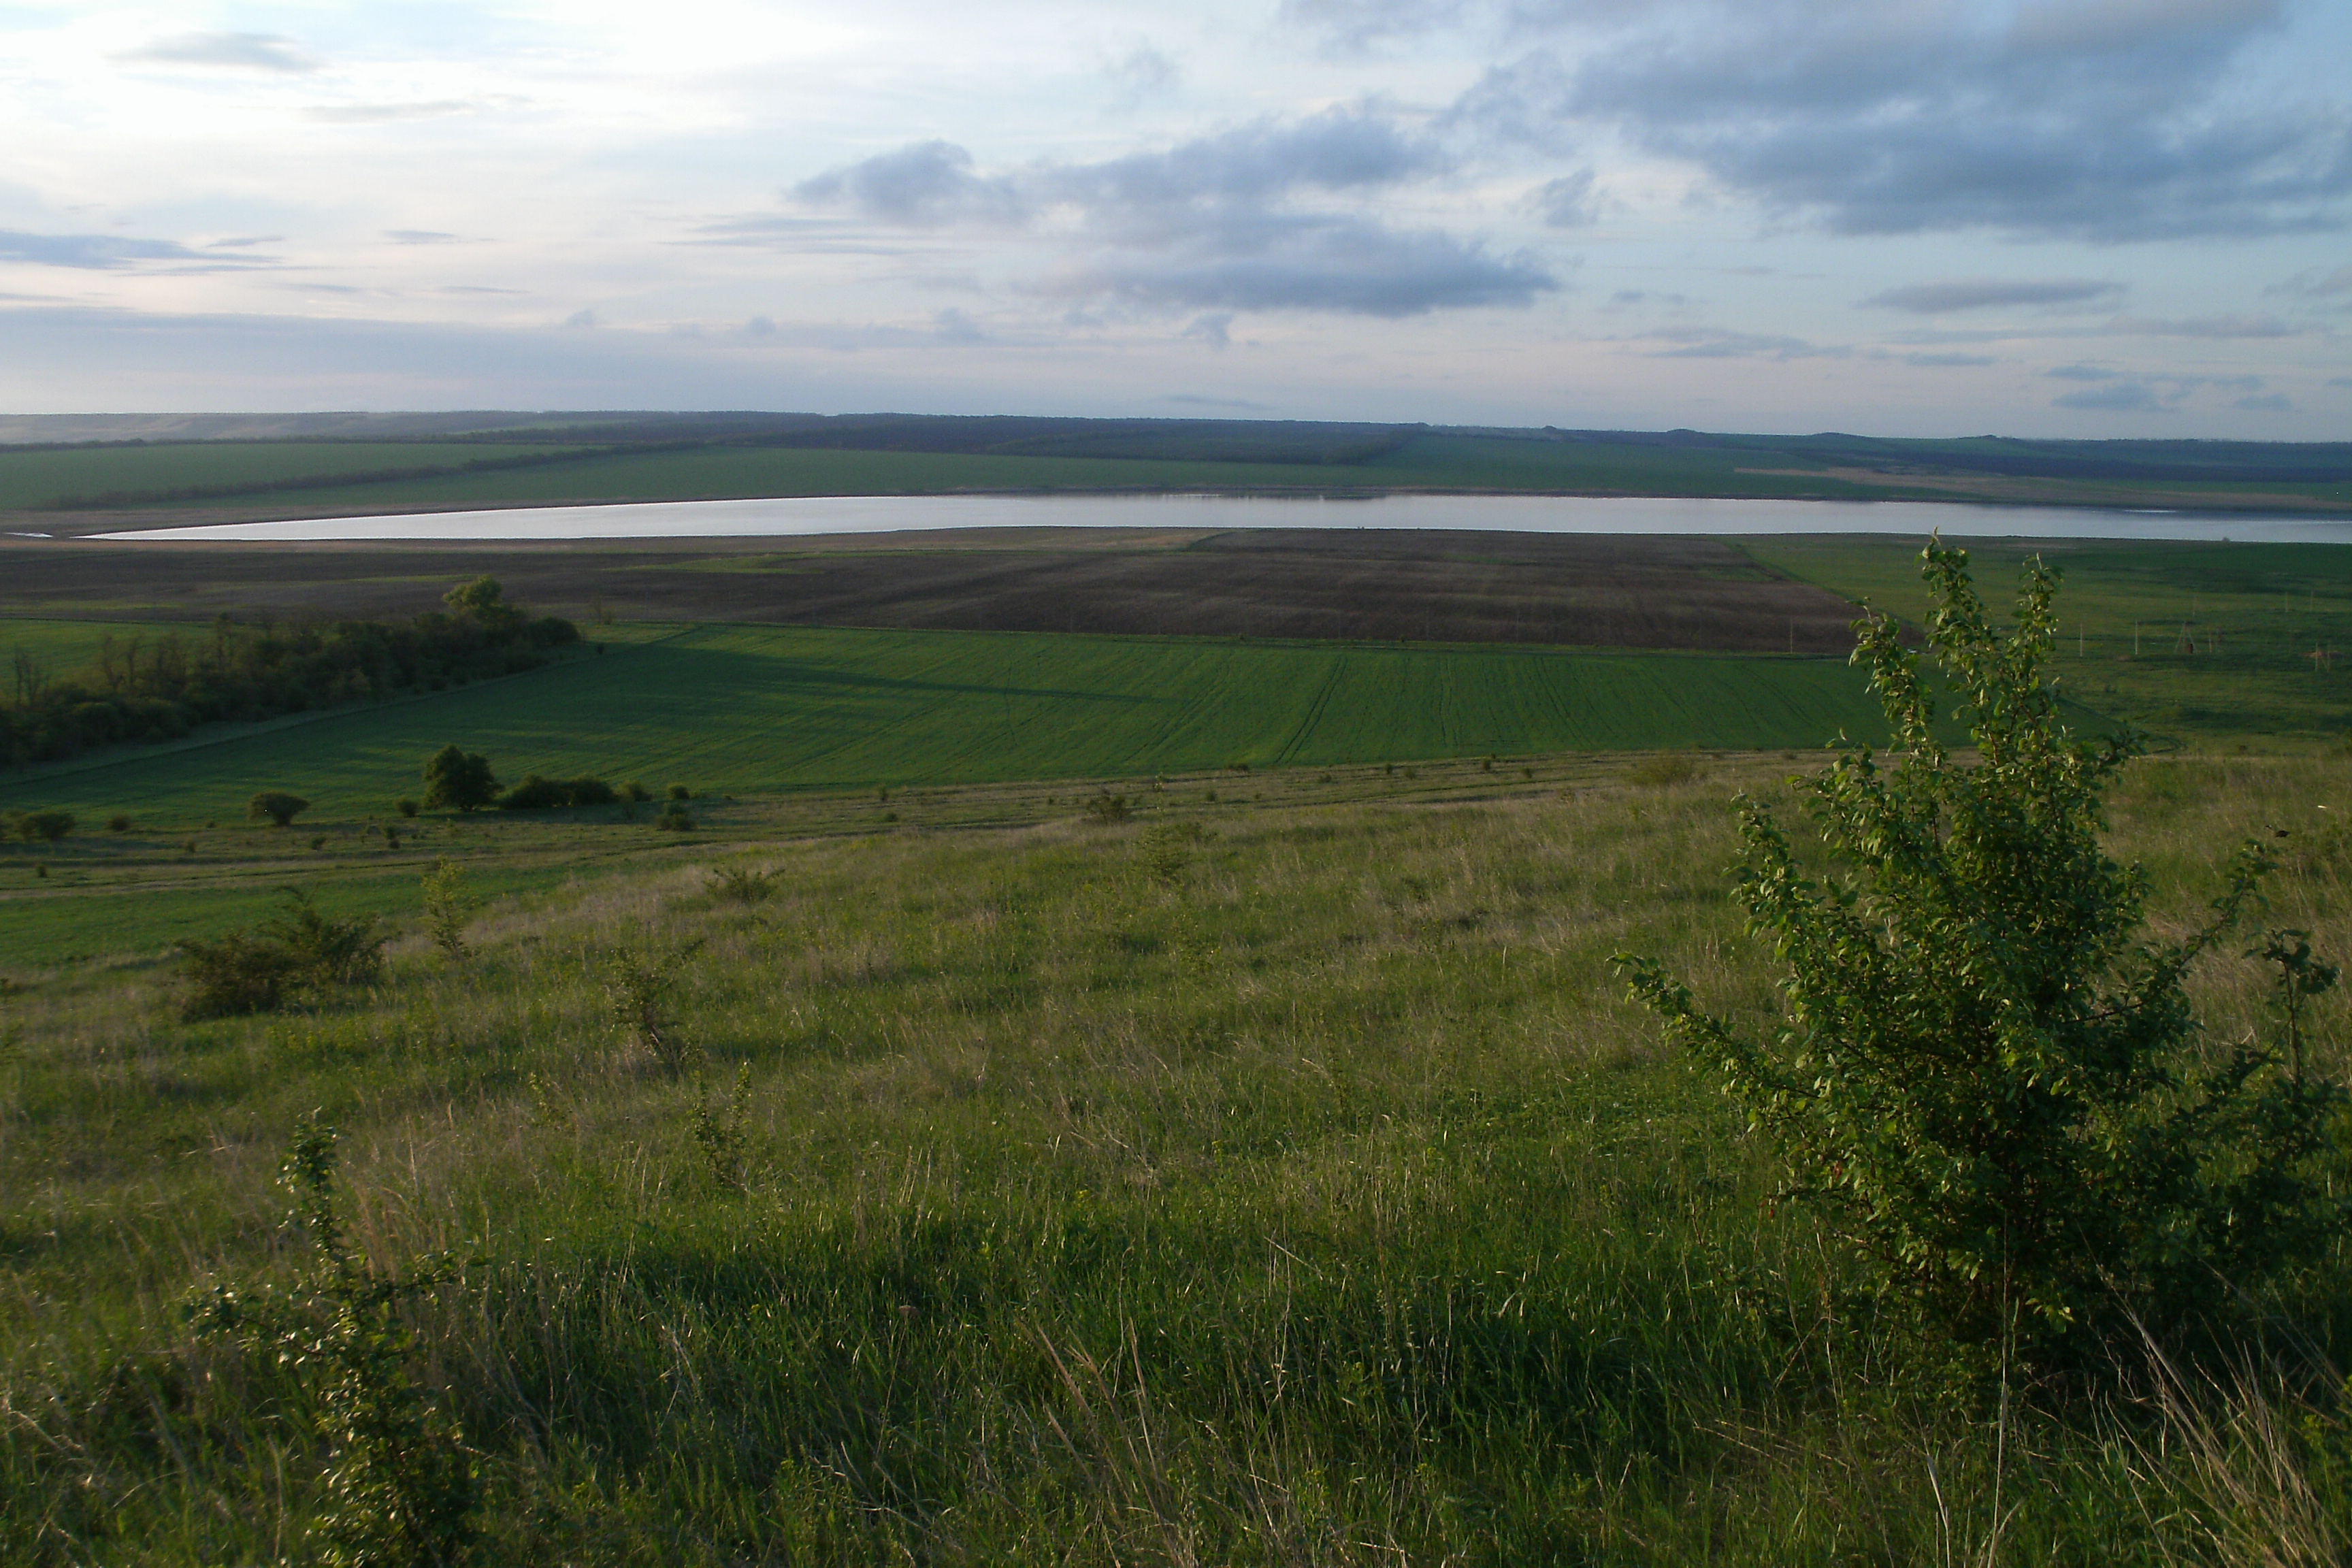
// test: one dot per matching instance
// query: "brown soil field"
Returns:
(1651, 592)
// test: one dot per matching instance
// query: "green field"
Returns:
(2209, 644)
(64, 648)
(749, 709)
(55, 477)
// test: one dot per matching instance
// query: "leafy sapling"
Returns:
(400, 1484)
(1989, 1079)
(449, 903)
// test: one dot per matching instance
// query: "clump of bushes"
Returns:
(674, 818)
(301, 952)
(276, 806)
(538, 793)
(48, 826)
(405, 805)
(1107, 808)
(454, 778)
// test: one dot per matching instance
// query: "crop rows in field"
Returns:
(751, 709)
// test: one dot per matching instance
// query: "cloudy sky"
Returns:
(2083, 218)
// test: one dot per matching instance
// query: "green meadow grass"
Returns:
(743, 710)
(35, 480)
(66, 648)
(2207, 643)
(1314, 1198)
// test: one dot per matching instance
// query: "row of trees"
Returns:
(139, 690)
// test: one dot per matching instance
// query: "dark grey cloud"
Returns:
(224, 51)
(1238, 220)
(1947, 361)
(112, 252)
(1986, 293)
(1214, 329)
(2121, 120)
(1566, 202)
(1347, 265)
(1348, 26)
(2339, 381)
(2316, 285)
(2115, 398)
(926, 185)
(2083, 373)
(2266, 403)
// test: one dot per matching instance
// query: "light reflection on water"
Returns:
(821, 515)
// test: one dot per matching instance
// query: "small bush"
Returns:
(634, 791)
(118, 823)
(48, 826)
(233, 975)
(449, 903)
(300, 952)
(1664, 768)
(400, 1484)
(636, 985)
(405, 805)
(1165, 849)
(679, 791)
(674, 819)
(1107, 808)
(276, 806)
(718, 1134)
(319, 843)
(742, 885)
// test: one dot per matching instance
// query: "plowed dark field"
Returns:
(1578, 589)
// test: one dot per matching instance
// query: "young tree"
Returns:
(276, 806)
(1988, 1079)
(459, 778)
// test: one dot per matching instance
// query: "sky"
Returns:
(1927, 217)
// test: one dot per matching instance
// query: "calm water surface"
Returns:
(817, 515)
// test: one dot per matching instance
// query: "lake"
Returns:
(821, 515)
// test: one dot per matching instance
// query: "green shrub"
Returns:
(460, 779)
(1107, 808)
(405, 805)
(276, 806)
(537, 793)
(119, 822)
(679, 791)
(233, 975)
(742, 885)
(401, 1485)
(48, 826)
(718, 1134)
(1988, 1079)
(634, 986)
(449, 903)
(674, 819)
(300, 952)
(634, 791)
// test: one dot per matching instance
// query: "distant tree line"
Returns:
(140, 690)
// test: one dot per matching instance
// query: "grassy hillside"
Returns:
(743, 710)
(1288, 1186)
